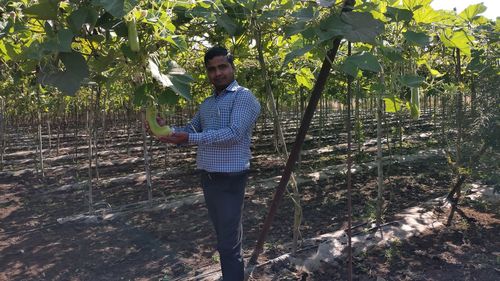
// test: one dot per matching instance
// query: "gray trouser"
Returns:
(224, 194)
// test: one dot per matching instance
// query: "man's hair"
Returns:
(218, 51)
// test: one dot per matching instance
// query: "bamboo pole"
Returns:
(2, 131)
(294, 154)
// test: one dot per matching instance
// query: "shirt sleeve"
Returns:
(244, 114)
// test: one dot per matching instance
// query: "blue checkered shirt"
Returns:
(222, 129)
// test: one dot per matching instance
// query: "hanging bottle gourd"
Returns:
(415, 102)
(156, 129)
(133, 38)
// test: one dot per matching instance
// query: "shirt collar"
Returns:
(231, 88)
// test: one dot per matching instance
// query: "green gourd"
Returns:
(156, 129)
(133, 38)
(415, 103)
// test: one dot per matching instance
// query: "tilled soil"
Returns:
(177, 244)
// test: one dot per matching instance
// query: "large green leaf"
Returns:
(101, 63)
(176, 79)
(350, 68)
(230, 25)
(412, 81)
(178, 41)
(416, 4)
(201, 12)
(457, 39)
(142, 94)
(363, 61)
(294, 28)
(304, 14)
(392, 54)
(69, 80)
(330, 27)
(361, 27)
(296, 53)
(44, 10)
(305, 78)
(270, 15)
(117, 8)
(81, 16)
(168, 96)
(472, 12)
(399, 14)
(428, 15)
(61, 42)
(392, 104)
(181, 85)
(416, 38)
(10, 51)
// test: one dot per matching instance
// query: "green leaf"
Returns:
(178, 41)
(363, 61)
(392, 104)
(117, 8)
(101, 63)
(361, 27)
(472, 12)
(176, 79)
(416, 38)
(304, 14)
(270, 15)
(75, 64)
(416, 4)
(330, 27)
(80, 17)
(228, 24)
(475, 65)
(77, 19)
(350, 68)
(201, 12)
(64, 39)
(457, 39)
(398, 15)
(44, 10)
(143, 93)
(168, 96)
(305, 78)
(294, 28)
(11, 51)
(411, 80)
(428, 15)
(260, 4)
(5, 28)
(61, 42)
(181, 85)
(296, 53)
(432, 71)
(392, 54)
(69, 80)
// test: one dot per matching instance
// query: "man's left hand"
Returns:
(176, 138)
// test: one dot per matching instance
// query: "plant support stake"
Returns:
(294, 153)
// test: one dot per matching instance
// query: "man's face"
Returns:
(220, 72)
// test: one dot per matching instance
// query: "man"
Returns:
(222, 129)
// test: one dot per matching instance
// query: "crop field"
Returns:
(375, 155)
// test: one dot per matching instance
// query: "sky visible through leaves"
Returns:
(492, 12)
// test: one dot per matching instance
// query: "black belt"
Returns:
(223, 174)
